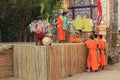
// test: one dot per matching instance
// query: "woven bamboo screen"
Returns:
(48, 63)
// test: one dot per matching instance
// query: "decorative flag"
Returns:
(99, 12)
(42, 8)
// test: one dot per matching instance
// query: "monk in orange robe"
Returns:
(78, 40)
(96, 39)
(101, 47)
(92, 63)
(61, 32)
(73, 39)
(79, 34)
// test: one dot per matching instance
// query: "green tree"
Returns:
(16, 15)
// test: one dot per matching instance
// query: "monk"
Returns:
(64, 21)
(74, 39)
(96, 39)
(61, 31)
(79, 32)
(92, 63)
(101, 47)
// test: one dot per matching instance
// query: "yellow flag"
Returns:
(42, 8)
(78, 23)
(87, 24)
(47, 18)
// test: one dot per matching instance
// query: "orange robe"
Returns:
(92, 55)
(96, 39)
(98, 52)
(101, 47)
(73, 39)
(78, 40)
(61, 32)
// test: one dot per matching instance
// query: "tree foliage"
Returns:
(16, 15)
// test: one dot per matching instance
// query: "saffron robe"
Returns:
(61, 32)
(101, 47)
(92, 55)
(98, 52)
(73, 39)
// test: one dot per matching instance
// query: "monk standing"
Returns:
(96, 39)
(92, 63)
(61, 31)
(101, 47)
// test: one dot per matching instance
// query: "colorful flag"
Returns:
(99, 12)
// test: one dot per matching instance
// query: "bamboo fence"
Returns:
(68, 59)
(30, 62)
(53, 62)
(6, 63)
(48, 62)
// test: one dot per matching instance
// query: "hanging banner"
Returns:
(106, 12)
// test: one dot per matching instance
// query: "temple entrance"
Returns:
(83, 13)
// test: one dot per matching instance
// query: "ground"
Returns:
(111, 72)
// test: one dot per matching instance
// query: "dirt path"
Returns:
(111, 72)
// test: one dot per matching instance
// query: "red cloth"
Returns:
(99, 12)
(39, 35)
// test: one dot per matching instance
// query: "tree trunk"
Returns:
(0, 35)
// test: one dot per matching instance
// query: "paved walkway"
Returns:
(111, 72)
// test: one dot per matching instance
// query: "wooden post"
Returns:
(91, 12)
(73, 12)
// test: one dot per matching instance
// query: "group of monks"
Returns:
(96, 53)
(96, 46)
(96, 59)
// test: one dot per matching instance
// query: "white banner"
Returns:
(106, 12)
